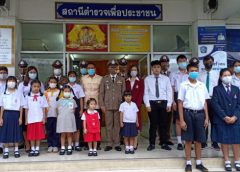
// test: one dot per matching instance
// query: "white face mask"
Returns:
(227, 79)
(66, 94)
(57, 72)
(3, 76)
(32, 76)
(11, 84)
(52, 85)
(133, 73)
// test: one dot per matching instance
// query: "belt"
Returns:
(158, 101)
(193, 111)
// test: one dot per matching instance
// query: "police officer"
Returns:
(58, 71)
(111, 91)
(22, 66)
(123, 68)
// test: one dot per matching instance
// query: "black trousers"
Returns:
(158, 119)
(53, 137)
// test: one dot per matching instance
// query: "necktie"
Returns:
(228, 90)
(207, 81)
(35, 97)
(113, 78)
(156, 87)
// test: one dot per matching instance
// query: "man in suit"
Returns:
(111, 91)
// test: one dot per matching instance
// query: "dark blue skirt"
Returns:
(11, 131)
(226, 134)
(129, 130)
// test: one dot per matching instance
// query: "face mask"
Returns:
(208, 65)
(182, 65)
(72, 79)
(32, 75)
(57, 72)
(91, 71)
(83, 71)
(133, 73)
(193, 75)
(52, 85)
(3, 76)
(227, 79)
(237, 69)
(66, 94)
(11, 84)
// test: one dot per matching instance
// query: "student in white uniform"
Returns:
(3, 77)
(176, 79)
(210, 78)
(36, 105)
(11, 102)
(78, 97)
(236, 75)
(193, 115)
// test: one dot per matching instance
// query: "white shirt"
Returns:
(129, 112)
(35, 108)
(177, 78)
(193, 96)
(78, 91)
(12, 100)
(2, 87)
(52, 102)
(213, 79)
(225, 87)
(113, 76)
(165, 89)
(235, 81)
(90, 113)
(26, 89)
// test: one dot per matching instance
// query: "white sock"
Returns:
(237, 162)
(227, 162)
(198, 162)
(90, 150)
(127, 147)
(188, 162)
(69, 147)
(62, 147)
(37, 148)
(131, 148)
(6, 150)
(33, 148)
(179, 140)
(16, 148)
(94, 150)
(76, 143)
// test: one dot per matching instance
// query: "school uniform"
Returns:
(78, 94)
(2, 87)
(35, 103)
(92, 125)
(129, 111)
(51, 125)
(193, 97)
(226, 102)
(137, 88)
(11, 102)
(158, 96)
(235, 81)
(210, 79)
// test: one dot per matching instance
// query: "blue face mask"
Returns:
(91, 71)
(237, 69)
(83, 71)
(72, 79)
(193, 75)
(182, 65)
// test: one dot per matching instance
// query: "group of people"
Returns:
(72, 109)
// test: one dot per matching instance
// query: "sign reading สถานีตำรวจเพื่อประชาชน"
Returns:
(106, 11)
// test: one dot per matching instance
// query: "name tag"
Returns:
(70, 105)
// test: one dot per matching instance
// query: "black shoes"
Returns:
(5, 155)
(237, 166)
(228, 167)
(188, 168)
(1, 150)
(108, 148)
(150, 147)
(201, 168)
(95, 153)
(69, 152)
(16, 154)
(180, 146)
(78, 148)
(31, 153)
(62, 152)
(118, 148)
(204, 145)
(36, 153)
(215, 146)
(90, 153)
(166, 147)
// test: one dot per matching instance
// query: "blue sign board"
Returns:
(100, 11)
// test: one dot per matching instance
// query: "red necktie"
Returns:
(35, 97)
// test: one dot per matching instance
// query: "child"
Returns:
(78, 97)
(51, 95)
(193, 115)
(128, 122)
(36, 105)
(11, 102)
(66, 124)
(226, 123)
(91, 126)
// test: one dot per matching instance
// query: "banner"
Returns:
(129, 38)
(81, 37)
(6, 45)
(100, 11)
(233, 45)
(212, 41)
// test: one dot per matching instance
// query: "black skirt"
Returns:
(129, 130)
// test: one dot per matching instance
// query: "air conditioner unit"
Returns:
(210, 6)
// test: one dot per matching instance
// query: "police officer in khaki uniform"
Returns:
(123, 68)
(111, 91)
(22, 70)
(58, 71)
